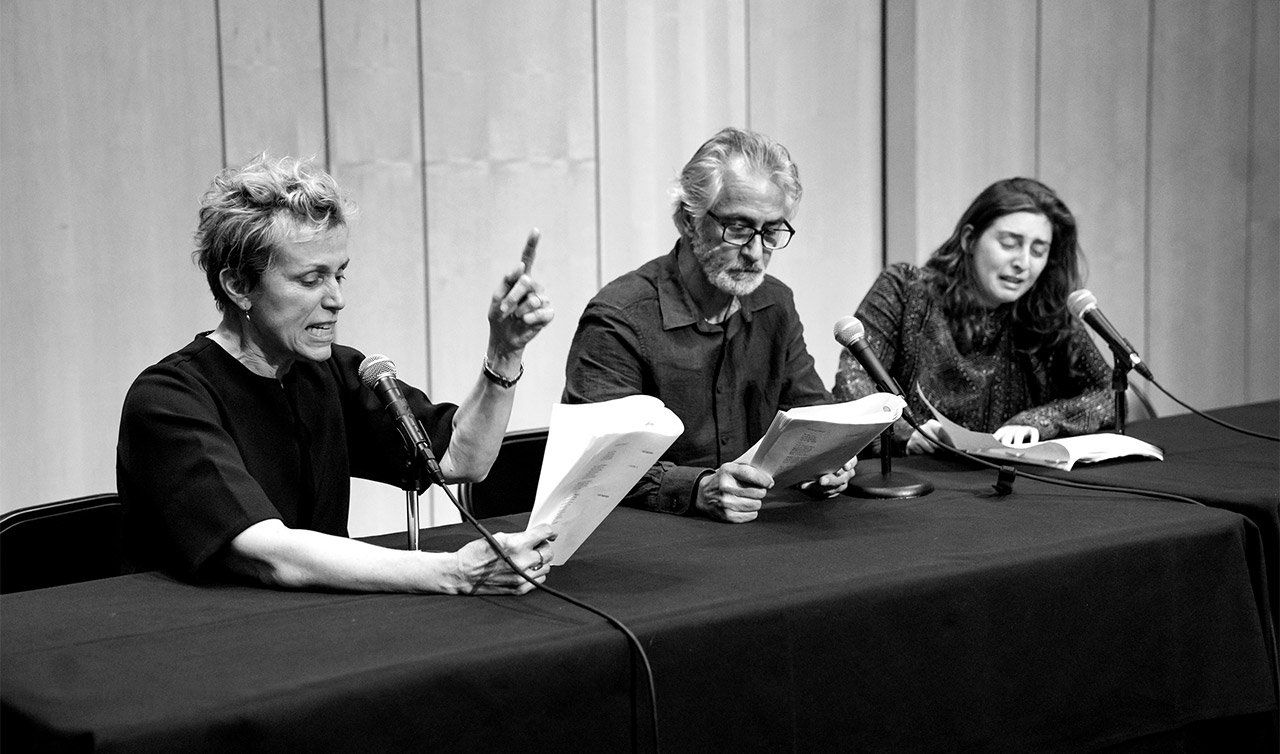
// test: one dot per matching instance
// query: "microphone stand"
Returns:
(421, 458)
(411, 511)
(1120, 388)
(413, 470)
(849, 333)
(889, 484)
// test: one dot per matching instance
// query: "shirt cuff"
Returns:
(675, 492)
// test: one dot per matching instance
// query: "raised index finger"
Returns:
(530, 249)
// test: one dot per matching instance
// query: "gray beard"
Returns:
(723, 281)
(720, 278)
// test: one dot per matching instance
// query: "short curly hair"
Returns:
(249, 210)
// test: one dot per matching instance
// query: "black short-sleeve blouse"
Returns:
(207, 448)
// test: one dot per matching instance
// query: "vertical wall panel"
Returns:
(1199, 153)
(108, 136)
(815, 86)
(671, 74)
(900, 151)
(975, 105)
(574, 115)
(272, 79)
(1263, 354)
(510, 145)
(1093, 119)
(375, 143)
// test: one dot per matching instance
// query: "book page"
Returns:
(804, 443)
(1104, 445)
(1061, 453)
(595, 454)
(981, 442)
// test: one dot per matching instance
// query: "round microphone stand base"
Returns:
(887, 484)
(895, 484)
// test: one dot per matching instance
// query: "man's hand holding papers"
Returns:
(817, 445)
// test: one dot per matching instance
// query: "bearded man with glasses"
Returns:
(708, 333)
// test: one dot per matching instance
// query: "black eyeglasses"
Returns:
(773, 237)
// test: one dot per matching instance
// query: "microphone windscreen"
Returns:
(848, 329)
(374, 368)
(1080, 302)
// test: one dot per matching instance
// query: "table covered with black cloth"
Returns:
(1211, 464)
(1047, 620)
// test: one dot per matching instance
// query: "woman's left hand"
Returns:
(1017, 434)
(519, 308)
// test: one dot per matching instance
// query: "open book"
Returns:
(1062, 453)
(596, 452)
(806, 442)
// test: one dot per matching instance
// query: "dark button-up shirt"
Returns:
(643, 334)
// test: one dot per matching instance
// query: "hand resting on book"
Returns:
(1017, 434)
(1013, 435)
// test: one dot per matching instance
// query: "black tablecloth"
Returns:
(1211, 464)
(1048, 620)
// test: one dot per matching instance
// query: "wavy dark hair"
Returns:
(1040, 318)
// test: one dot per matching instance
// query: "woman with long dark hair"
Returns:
(983, 328)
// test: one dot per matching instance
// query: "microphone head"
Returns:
(374, 368)
(1080, 302)
(849, 330)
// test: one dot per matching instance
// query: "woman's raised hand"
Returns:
(520, 307)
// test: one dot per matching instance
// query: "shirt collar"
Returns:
(676, 303)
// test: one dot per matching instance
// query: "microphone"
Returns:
(851, 334)
(1084, 305)
(378, 373)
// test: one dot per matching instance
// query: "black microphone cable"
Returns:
(1005, 485)
(1084, 305)
(1009, 473)
(378, 374)
(850, 333)
(493, 543)
(1213, 419)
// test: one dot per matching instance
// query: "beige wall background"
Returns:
(457, 126)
